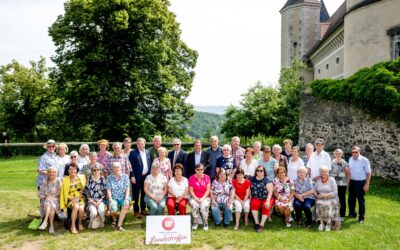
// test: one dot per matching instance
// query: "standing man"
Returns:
(213, 152)
(318, 159)
(194, 158)
(141, 164)
(237, 151)
(118, 157)
(157, 141)
(6, 150)
(177, 155)
(360, 177)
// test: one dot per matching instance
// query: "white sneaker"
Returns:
(51, 229)
(321, 227)
(194, 227)
(328, 227)
(43, 226)
(205, 228)
(341, 219)
(288, 224)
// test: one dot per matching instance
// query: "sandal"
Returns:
(114, 223)
(119, 228)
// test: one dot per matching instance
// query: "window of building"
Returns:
(396, 50)
(327, 67)
(394, 34)
(319, 71)
(337, 60)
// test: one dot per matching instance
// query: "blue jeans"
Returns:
(155, 208)
(304, 206)
(217, 216)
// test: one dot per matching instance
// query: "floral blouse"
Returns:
(283, 188)
(259, 189)
(226, 163)
(50, 190)
(103, 158)
(303, 186)
(117, 187)
(165, 165)
(221, 191)
(156, 185)
(338, 172)
(96, 188)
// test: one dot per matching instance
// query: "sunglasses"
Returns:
(354, 152)
(74, 156)
(96, 170)
(259, 170)
(200, 169)
(51, 146)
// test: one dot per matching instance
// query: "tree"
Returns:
(28, 106)
(122, 68)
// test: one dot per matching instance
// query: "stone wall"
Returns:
(343, 126)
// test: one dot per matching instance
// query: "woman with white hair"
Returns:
(281, 159)
(258, 155)
(327, 203)
(163, 162)
(49, 195)
(84, 151)
(341, 172)
(304, 196)
(227, 162)
(73, 159)
(156, 187)
(47, 160)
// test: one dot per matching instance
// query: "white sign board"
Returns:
(168, 229)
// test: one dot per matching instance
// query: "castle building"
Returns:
(360, 33)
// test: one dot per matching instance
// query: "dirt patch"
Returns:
(33, 245)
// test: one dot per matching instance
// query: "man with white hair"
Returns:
(360, 177)
(214, 152)
(237, 151)
(317, 159)
(177, 155)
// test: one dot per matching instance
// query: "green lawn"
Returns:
(18, 203)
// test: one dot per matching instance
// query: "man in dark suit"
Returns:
(177, 155)
(141, 166)
(194, 158)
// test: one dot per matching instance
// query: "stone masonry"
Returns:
(343, 126)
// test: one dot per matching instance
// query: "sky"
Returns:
(238, 41)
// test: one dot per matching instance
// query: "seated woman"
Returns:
(284, 192)
(95, 192)
(49, 195)
(178, 190)
(155, 188)
(327, 203)
(304, 197)
(117, 186)
(222, 194)
(199, 190)
(242, 197)
(71, 195)
(261, 193)
(87, 169)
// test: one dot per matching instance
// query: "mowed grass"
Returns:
(19, 203)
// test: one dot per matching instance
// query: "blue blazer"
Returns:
(181, 158)
(137, 164)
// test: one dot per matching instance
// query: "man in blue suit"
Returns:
(194, 158)
(177, 155)
(141, 166)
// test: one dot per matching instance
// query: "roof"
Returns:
(292, 2)
(324, 15)
(336, 20)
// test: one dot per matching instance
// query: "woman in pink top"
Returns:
(199, 190)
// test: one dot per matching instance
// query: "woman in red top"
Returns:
(242, 197)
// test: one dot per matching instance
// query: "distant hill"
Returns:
(205, 124)
(219, 110)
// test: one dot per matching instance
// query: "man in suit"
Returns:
(141, 165)
(177, 155)
(194, 158)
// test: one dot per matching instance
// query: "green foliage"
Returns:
(204, 125)
(28, 106)
(269, 111)
(122, 68)
(375, 90)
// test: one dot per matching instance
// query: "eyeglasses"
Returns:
(259, 170)
(73, 156)
(51, 146)
(200, 169)
(225, 149)
(354, 152)
(96, 170)
(176, 144)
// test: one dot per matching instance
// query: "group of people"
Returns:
(223, 179)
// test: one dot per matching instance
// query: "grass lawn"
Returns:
(19, 202)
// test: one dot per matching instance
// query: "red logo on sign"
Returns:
(168, 223)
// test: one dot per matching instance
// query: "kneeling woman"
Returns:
(222, 194)
(117, 186)
(72, 197)
(49, 195)
(178, 190)
(155, 187)
(327, 204)
(261, 193)
(284, 192)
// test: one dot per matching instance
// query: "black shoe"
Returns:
(256, 226)
(353, 215)
(226, 225)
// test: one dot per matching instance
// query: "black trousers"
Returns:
(138, 189)
(342, 198)
(356, 191)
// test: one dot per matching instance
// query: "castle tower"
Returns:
(301, 27)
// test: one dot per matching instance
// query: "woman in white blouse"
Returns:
(248, 164)
(295, 163)
(178, 189)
